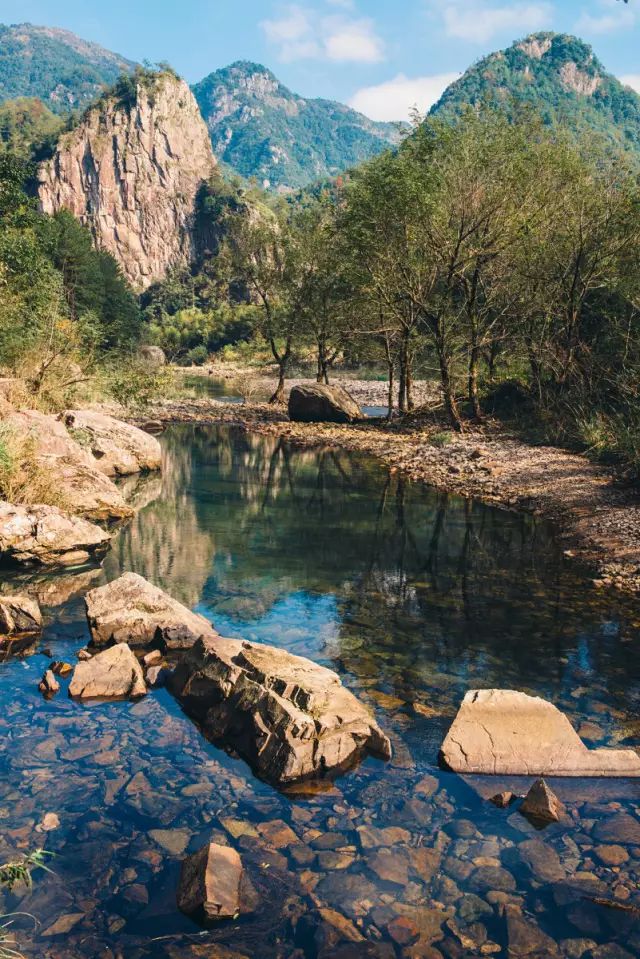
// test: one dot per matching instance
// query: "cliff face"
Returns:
(131, 172)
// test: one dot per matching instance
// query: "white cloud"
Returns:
(478, 21)
(352, 40)
(395, 99)
(301, 33)
(631, 80)
(611, 17)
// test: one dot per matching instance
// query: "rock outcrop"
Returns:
(112, 674)
(152, 356)
(131, 172)
(322, 404)
(290, 718)
(19, 616)
(81, 486)
(47, 536)
(118, 448)
(503, 732)
(213, 881)
(131, 610)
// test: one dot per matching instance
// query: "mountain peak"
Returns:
(559, 76)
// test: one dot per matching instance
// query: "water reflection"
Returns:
(414, 597)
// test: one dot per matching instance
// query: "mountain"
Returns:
(55, 65)
(260, 128)
(561, 78)
(131, 171)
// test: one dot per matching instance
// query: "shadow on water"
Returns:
(414, 597)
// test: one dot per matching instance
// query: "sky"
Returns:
(383, 57)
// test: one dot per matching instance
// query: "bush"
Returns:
(136, 385)
(198, 356)
(23, 481)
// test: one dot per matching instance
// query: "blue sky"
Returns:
(382, 56)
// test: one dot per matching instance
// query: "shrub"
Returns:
(136, 385)
(23, 481)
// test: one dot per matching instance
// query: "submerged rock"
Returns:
(48, 536)
(504, 732)
(213, 880)
(78, 482)
(290, 718)
(118, 448)
(19, 616)
(315, 403)
(112, 674)
(541, 804)
(131, 610)
(49, 685)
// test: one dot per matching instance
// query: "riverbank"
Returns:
(598, 518)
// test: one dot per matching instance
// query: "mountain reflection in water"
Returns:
(413, 596)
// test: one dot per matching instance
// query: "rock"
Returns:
(112, 674)
(157, 676)
(153, 658)
(290, 718)
(315, 403)
(153, 356)
(542, 860)
(119, 449)
(503, 800)
(611, 855)
(622, 828)
(403, 931)
(50, 822)
(491, 877)
(131, 173)
(525, 938)
(81, 487)
(541, 804)
(503, 732)
(84, 655)
(212, 880)
(45, 535)
(59, 668)
(19, 616)
(49, 685)
(131, 610)
(576, 948)
(174, 841)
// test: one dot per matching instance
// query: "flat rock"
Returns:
(621, 828)
(48, 536)
(315, 403)
(82, 487)
(525, 938)
(19, 615)
(290, 718)
(112, 674)
(119, 449)
(131, 610)
(212, 880)
(504, 732)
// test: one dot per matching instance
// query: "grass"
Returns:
(12, 873)
(23, 480)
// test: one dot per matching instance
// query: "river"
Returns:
(413, 597)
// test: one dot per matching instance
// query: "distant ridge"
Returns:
(558, 75)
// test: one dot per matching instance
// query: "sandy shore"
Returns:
(597, 518)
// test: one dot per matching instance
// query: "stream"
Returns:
(413, 597)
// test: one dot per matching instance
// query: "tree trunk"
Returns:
(448, 391)
(278, 396)
(474, 398)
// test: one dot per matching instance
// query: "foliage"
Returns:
(55, 66)
(20, 870)
(560, 78)
(134, 383)
(28, 129)
(279, 138)
(23, 481)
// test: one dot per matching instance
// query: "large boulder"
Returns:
(152, 356)
(118, 448)
(131, 610)
(213, 881)
(47, 536)
(81, 486)
(112, 674)
(290, 718)
(316, 403)
(19, 616)
(504, 732)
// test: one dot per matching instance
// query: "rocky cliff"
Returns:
(131, 172)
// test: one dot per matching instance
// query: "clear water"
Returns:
(413, 597)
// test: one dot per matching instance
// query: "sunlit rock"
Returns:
(504, 732)
(213, 881)
(315, 403)
(131, 610)
(112, 674)
(541, 804)
(79, 485)
(289, 717)
(48, 536)
(19, 615)
(118, 448)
